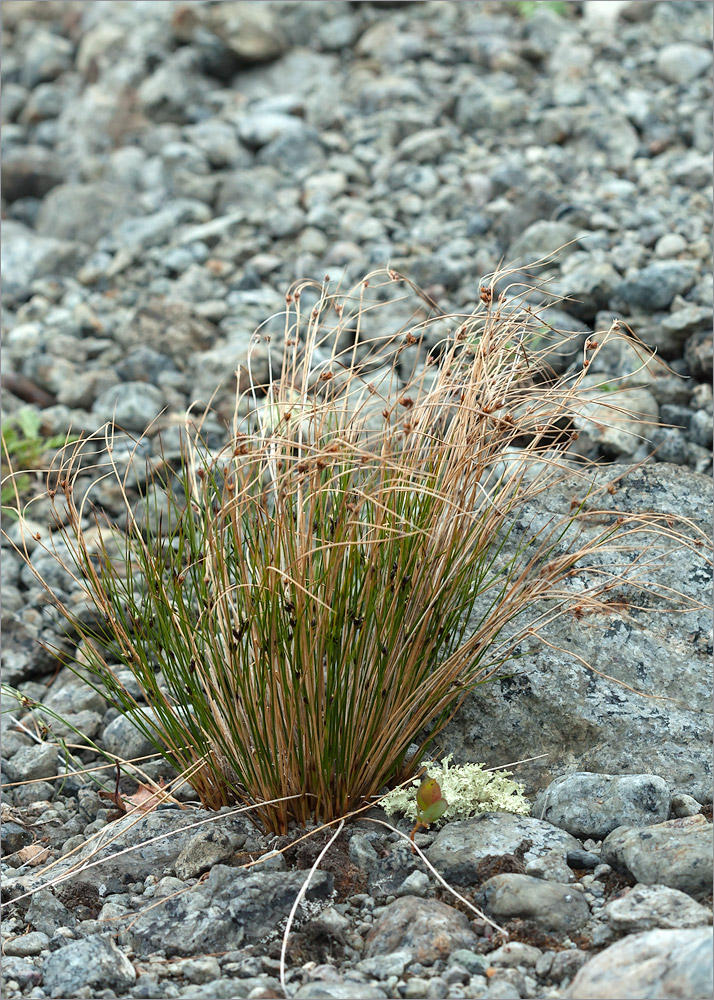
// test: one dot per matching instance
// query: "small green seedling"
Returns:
(430, 805)
(24, 444)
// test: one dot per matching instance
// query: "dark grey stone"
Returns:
(231, 908)
(655, 286)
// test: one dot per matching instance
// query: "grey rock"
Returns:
(175, 86)
(36, 791)
(655, 286)
(698, 355)
(460, 846)
(551, 866)
(23, 971)
(94, 962)
(207, 848)
(680, 62)
(388, 873)
(33, 943)
(565, 964)
(416, 884)
(29, 172)
(170, 328)
(588, 283)
(550, 904)
(380, 966)
(14, 836)
(677, 853)
(670, 245)
(470, 960)
(669, 445)
(27, 256)
(231, 908)
(515, 953)
(83, 212)
(150, 844)
(46, 58)
(701, 429)
(139, 232)
(654, 965)
(258, 129)
(541, 239)
(132, 406)
(33, 763)
(426, 928)
(252, 34)
(497, 105)
(592, 805)
(586, 722)
(218, 141)
(46, 913)
(300, 153)
(616, 434)
(648, 907)
(125, 739)
(684, 805)
(339, 991)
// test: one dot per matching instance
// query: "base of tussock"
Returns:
(293, 607)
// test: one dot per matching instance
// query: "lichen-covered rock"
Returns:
(231, 908)
(94, 963)
(550, 703)
(459, 847)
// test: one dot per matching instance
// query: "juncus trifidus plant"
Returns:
(323, 592)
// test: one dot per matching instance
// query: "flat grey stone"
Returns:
(32, 763)
(460, 846)
(552, 905)
(582, 720)
(339, 991)
(648, 907)
(677, 854)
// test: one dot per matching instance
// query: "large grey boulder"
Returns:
(132, 848)
(654, 965)
(645, 706)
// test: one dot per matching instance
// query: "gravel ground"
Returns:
(169, 169)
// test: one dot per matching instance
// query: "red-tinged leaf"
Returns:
(428, 793)
(434, 811)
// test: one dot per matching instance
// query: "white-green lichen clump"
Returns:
(468, 788)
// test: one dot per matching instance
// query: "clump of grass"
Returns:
(302, 605)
